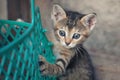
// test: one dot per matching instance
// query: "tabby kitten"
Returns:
(71, 29)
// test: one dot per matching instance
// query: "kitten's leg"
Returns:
(57, 68)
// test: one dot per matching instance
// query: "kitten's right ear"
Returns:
(57, 13)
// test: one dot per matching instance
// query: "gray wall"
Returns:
(3, 9)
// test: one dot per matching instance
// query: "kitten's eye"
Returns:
(62, 33)
(76, 36)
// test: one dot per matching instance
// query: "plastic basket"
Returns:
(20, 45)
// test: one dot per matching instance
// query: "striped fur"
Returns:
(71, 29)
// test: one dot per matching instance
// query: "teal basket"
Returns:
(20, 45)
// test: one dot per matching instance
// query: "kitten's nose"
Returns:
(67, 43)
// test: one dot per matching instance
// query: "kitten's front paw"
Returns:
(44, 65)
(47, 68)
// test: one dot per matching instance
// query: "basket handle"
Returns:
(32, 11)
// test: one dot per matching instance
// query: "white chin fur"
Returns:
(70, 46)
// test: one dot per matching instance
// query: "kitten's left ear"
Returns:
(89, 21)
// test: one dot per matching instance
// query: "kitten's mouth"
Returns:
(69, 46)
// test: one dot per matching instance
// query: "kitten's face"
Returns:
(71, 32)
(68, 36)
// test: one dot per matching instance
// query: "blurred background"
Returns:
(104, 42)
